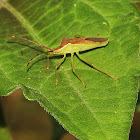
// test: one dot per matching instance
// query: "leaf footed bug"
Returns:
(75, 45)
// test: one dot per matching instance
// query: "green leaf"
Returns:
(105, 109)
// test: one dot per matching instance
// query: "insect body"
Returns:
(72, 46)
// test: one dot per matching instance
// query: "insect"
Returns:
(73, 46)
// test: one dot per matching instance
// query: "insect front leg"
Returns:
(95, 67)
(50, 55)
(60, 62)
(73, 69)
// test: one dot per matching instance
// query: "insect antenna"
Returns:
(36, 56)
(30, 41)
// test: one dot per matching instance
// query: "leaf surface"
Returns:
(105, 109)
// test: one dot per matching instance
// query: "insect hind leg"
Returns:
(89, 63)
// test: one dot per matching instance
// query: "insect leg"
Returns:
(78, 36)
(95, 67)
(36, 56)
(60, 62)
(73, 69)
(48, 61)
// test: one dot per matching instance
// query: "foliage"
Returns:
(105, 109)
